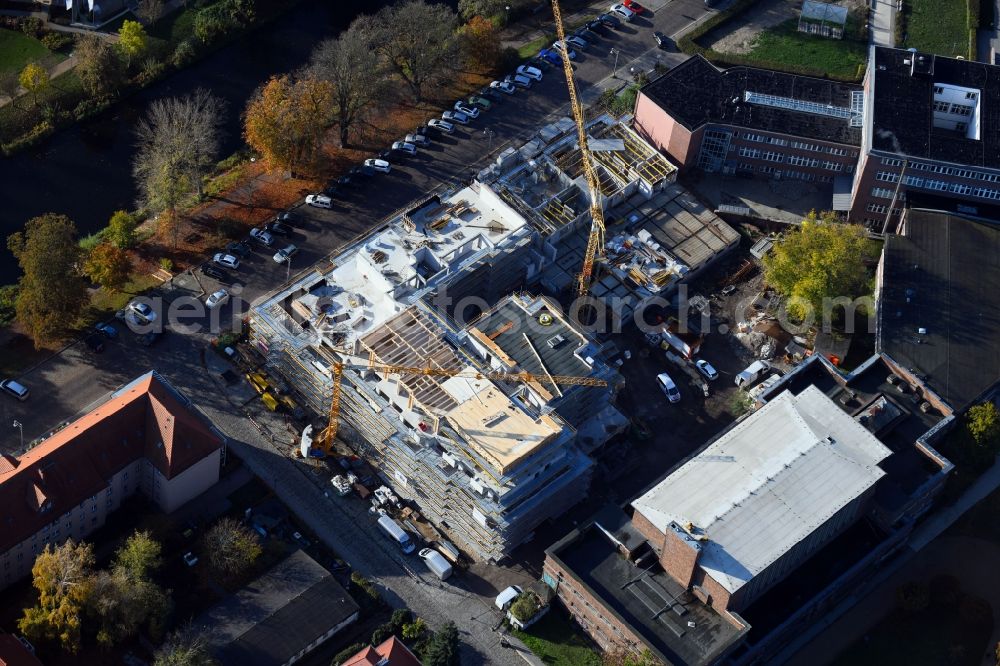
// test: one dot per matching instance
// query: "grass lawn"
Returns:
(17, 50)
(556, 640)
(784, 45)
(531, 49)
(931, 637)
(938, 27)
(104, 303)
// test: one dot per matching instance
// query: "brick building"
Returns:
(144, 438)
(934, 121)
(752, 122)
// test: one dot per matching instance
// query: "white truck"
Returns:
(439, 566)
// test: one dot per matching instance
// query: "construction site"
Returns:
(488, 428)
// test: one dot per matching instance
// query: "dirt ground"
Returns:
(738, 36)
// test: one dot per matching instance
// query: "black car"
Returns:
(95, 343)
(596, 27)
(149, 339)
(609, 20)
(386, 154)
(213, 271)
(421, 130)
(290, 218)
(238, 248)
(661, 40)
(334, 192)
(278, 229)
(490, 94)
(347, 181)
(363, 171)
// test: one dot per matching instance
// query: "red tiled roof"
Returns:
(12, 653)
(145, 420)
(393, 650)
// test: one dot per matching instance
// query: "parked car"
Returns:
(705, 368)
(441, 125)
(380, 165)
(317, 201)
(530, 72)
(418, 139)
(558, 46)
(491, 94)
(518, 80)
(752, 373)
(550, 56)
(435, 561)
(13, 388)
(668, 387)
(597, 27)
(577, 41)
(239, 248)
(217, 299)
(364, 171)
(107, 330)
(480, 102)
(334, 192)
(610, 20)
(285, 253)
(94, 342)
(190, 559)
(405, 147)
(661, 40)
(455, 117)
(142, 311)
(347, 181)
(504, 87)
(289, 218)
(263, 237)
(276, 228)
(226, 260)
(621, 11)
(149, 339)
(507, 597)
(471, 111)
(635, 7)
(214, 272)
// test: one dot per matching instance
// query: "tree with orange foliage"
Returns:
(286, 119)
(481, 40)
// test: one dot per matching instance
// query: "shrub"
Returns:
(347, 653)
(184, 54)
(151, 70)
(30, 138)
(414, 630)
(91, 241)
(166, 263)
(32, 26)
(509, 59)
(400, 616)
(89, 107)
(525, 606)
(381, 633)
(56, 41)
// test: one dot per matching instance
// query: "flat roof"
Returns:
(499, 430)
(697, 93)
(903, 114)
(272, 619)
(941, 276)
(767, 483)
(646, 599)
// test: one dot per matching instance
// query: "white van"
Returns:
(668, 387)
(506, 598)
(397, 533)
(436, 563)
(752, 373)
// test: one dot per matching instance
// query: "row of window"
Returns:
(938, 186)
(798, 145)
(760, 138)
(943, 170)
(939, 90)
(953, 109)
(794, 160)
(882, 208)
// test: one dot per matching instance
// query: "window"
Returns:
(938, 90)
(882, 192)
(891, 161)
(942, 107)
(887, 176)
(833, 166)
(970, 95)
(753, 153)
(960, 109)
(772, 156)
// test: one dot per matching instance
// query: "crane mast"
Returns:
(595, 241)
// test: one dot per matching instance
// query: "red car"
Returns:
(634, 6)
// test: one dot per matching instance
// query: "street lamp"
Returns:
(507, 15)
(615, 53)
(19, 426)
(489, 136)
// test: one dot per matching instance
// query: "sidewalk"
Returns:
(60, 68)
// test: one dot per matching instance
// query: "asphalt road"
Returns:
(73, 380)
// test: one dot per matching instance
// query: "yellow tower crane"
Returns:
(330, 432)
(595, 242)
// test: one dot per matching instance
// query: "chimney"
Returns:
(680, 553)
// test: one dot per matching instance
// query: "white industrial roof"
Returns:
(767, 483)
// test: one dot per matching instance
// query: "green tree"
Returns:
(442, 648)
(108, 266)
(131, 41)
(139, 557)
(982, 429)
(121, 229)
(485, 8)
(413, 631)
(185, 648)
(51, 292)
(481, 42)
(34, 78)
(99, 66)
(63, 577)
(821, 265)
(232, 548)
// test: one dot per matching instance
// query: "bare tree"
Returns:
(355, 89)
(178, 142)
(416, 39)
(99, 66)
(150, 11)
(232, 547)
